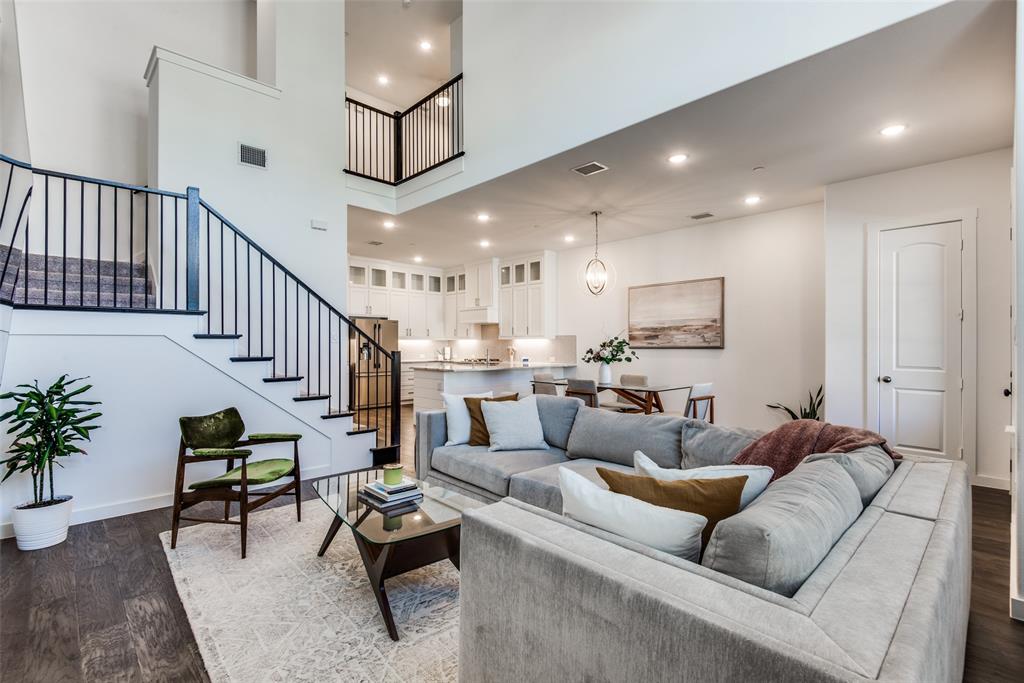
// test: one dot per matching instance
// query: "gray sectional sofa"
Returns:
(847, 569)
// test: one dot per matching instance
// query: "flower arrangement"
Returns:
(614, 350)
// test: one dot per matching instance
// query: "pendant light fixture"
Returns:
(597, 272)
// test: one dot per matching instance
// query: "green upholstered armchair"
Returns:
(219, 437)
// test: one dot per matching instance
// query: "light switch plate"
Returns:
(318, 225)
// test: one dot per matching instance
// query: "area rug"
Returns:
(284, 614)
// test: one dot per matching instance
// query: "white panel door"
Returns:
(920, 317)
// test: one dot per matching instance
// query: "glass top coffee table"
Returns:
(393, 545)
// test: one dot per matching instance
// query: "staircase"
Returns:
(102, 246)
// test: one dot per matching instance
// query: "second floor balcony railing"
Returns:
(394, 148)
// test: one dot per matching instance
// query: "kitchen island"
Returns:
(431, 379)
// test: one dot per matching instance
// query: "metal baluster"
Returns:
(64, 283)
(175, 253)
(209, 270)
(234, 276)
(309, 377)
(273, 317)
(222, 331)
(131, 250)
(284, 327)
(145, 256)
(163, 285)
(262, 309)
(248, 306)
(99, 238)
(46, 242)
(115, 247)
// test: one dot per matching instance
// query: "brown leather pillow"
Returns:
(478, 434)
(715, 499)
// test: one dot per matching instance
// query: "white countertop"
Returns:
(441, 366)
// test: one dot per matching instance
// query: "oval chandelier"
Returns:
(596, 272)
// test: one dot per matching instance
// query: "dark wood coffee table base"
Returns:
(383, 561)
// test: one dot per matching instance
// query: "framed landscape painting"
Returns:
(678, 315)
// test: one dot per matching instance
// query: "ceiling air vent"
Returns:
(701, 216)
(252, 156)
(590, 169)
(375, 243)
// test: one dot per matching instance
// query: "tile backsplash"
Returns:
(561, 349)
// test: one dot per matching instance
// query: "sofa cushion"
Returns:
(490, 470)
(869, 467)
(540, 486)
(777, 541)
(613, 437)
(705, 444)
(557, 413)
(514, 425)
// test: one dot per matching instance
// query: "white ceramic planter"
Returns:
(604, 374)
(42, 527)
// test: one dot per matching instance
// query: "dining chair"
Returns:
(585, 389)
(701, 404)
(623, 406)
(549, 389)
(219, 437)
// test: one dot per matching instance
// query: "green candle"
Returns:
(393, 474)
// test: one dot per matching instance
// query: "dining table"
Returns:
(646, 397)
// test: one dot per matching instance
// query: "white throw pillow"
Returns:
(758, 476)
(672, 531)
(514, 425)
(458, 416)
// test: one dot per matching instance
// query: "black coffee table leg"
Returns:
(375, 559)
(331, 533)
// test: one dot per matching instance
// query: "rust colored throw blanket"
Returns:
(784, 448)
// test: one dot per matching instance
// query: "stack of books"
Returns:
(391, 500)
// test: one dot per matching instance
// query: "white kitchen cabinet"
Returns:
(451, 315)
(377, 303)
(435, 316)
(481, 280)
(417, 320)
(398, 309)
(527, 296)
(358, 300)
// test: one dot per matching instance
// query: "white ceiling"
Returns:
(383, 37)
(947, 74)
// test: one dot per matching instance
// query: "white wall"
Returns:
(544, 77)
(774, 308)
(13, 134)
(82, 64)
(979, 182)
(146, 379)
(302, 126)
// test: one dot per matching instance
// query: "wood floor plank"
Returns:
(162, 642)
(54, 650)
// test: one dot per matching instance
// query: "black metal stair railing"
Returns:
(81, 243)
(396, 147)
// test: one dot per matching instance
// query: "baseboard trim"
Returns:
(992, 482)
(134, 505)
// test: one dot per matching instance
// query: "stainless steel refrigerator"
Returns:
(370, 385)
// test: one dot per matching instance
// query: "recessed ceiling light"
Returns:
(570, 238)
(752, 200)
(443, 101)
(417, 259)
(894, 130)
(389, 224)
(425, 45)
(483, 217)
(485, 243)
(677, 159)
(383, 79)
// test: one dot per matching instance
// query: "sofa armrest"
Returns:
(531, 583)
(431, 432)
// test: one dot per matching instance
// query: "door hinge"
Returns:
(961, 315)
(961, 453)
(961, 384)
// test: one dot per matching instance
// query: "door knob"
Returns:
(885, 378)
(1007, 392)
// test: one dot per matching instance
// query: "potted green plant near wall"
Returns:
(614, 350)
(47, 424)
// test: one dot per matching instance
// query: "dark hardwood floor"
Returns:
(103, 607)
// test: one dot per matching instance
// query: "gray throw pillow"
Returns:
(705, 444)
(557, 413)
(869, 467)
(614, 437)
(514, 425)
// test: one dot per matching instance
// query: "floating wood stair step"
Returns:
(370, 430)
(331, 416)
(250, 359)
(296, 378)
(385, 455)
(311, 397)
(217, 336)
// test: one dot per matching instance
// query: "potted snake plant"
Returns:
(47, 424)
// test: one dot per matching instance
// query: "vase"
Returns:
(41, 527)
(604, 375)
